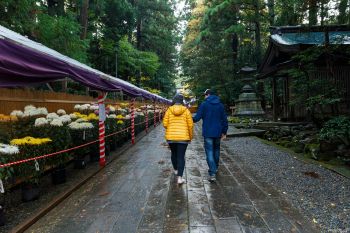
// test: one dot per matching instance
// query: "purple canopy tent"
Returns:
(24, 62)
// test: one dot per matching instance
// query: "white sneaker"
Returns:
(180, 180)
(175, 172)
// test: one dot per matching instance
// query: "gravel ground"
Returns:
(321, 195)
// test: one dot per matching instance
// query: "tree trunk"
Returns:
(271, 6)
(257, 32)
(312, 12)
(342, 17)
(84, 19)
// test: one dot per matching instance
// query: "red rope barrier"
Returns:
(64, 151)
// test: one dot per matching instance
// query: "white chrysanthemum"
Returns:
(127, 117)
(112, 116)
(150, 111)
(123, 110)
(87, 125)
(111, 109)
(84, 107)
(52, 116)
(61, 112)
(93, 107)
(139, 114)
(17, 113)
(80, 126)
(149, 106)
(42, 111)
(41, 121)
(77, 107)
(56, 122)
(65, 119)
(32, 112)
(29, 108)
(81, 120)
(8, 149)
(73, 116)
(157, 110)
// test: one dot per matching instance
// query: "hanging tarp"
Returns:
(24, 62)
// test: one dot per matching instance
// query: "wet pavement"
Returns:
(138, 193)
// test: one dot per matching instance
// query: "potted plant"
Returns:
(80, 131)
(55, 127)
(6, 152)
(30, 172)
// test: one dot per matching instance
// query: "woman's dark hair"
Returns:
(178, 99)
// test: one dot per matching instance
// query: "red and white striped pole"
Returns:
(146, 120)
(101, 129)
(155, 114)
(133, 120)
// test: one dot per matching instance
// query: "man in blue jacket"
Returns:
(214, 128)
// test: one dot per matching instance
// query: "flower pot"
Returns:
(79, 163)
(30, 192)
(112, 145)
(2, 216)
(108, 150)
(58, 175)
(94, 156)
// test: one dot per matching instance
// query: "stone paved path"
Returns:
(138, 193)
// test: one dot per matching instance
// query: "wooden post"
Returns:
(274, 98)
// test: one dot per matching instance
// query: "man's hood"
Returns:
(213, 99)
(177, 110)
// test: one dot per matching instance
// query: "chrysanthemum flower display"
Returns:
(31, 147)
(8, 149)
(52, 116)
(80, 125)
(120, 117)
(17, 113)
(6, 118)
(120, 122)
(6, 155)
(30, 111)
(112, 116)
(92, 116)
(73, 116)
(111, 108)
(41, 122)
(29, 141)
(56, 122)
(65, 119)
(61, 112)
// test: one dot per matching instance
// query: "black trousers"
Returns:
(178, 151)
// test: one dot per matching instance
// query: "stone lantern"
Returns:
(248, 104)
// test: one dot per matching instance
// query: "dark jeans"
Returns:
(178, 151)
(212, 150)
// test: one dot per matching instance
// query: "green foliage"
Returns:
(131, 60)
(336, 130)
(310, 91)
(62, 34)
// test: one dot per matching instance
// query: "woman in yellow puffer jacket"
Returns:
(179, 132)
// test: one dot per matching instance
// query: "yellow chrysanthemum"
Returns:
(30, 141)
(8, 118)
(124, 104)
(120, 117)
(120, 122)
(92, 116)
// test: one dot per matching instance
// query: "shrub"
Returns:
(336, 130)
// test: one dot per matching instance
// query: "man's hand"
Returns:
(223, 136)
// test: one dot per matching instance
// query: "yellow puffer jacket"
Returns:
(178, 124)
